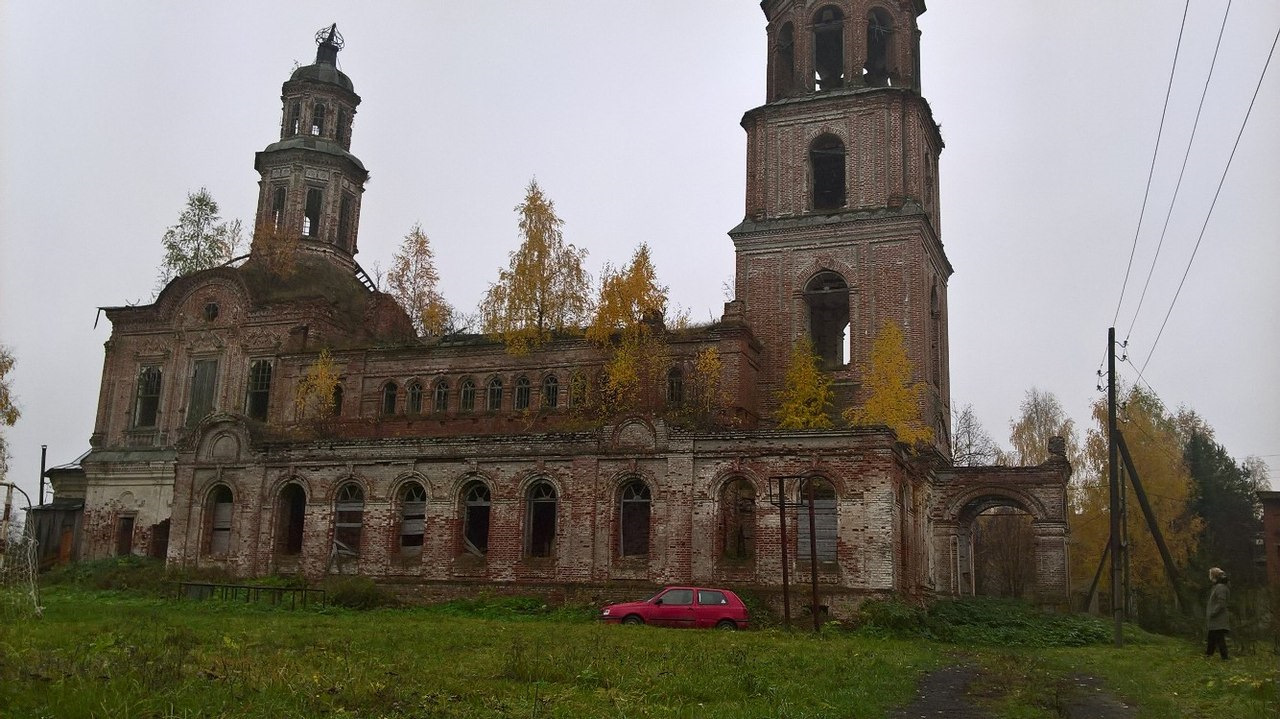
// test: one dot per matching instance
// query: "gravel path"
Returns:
(944, 693)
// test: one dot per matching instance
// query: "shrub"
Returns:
(356, 593)
(981, 621)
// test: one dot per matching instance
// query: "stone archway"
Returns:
(966, 493)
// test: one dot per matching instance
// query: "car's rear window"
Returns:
(678, 597)
(708, 596)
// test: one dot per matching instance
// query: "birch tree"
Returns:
(805, 399)
(893, 400)
(413, 280)
(200, 240)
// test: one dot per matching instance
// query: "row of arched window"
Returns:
(315, 122)
(829, 49)
(736, 525)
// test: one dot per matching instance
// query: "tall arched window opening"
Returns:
(784, 68)
(295, 119)
(413, 517)
(827, 296)
(935, 338)
(826, 169)
(467, 396)
(277, 208)
(675, 386)
(258, 394)
(311, 219)
(522, 393)
(577, 389)
(828, 48)
(738, 519)
(442, 396)
(348, 513)
(220, 505)
(291, 509)
(879, 34)
(550, 392)
(824, 520)
(633, 513)
(147, 406)
(493, 397)
(389, 391)
(317, 120)
(475, 518)
(540, 532)
(337, 401)
(413, 398)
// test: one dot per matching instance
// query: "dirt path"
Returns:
(945, 693)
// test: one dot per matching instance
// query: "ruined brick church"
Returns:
(450, 464)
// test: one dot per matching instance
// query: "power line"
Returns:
(1182, 172)
(1154, 154)
(1216, 193)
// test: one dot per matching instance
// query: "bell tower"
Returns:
(311, 184)
(842, 227)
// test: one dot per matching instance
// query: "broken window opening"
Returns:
(824, 520)
(413, 398)
(827, 296)
(738, 519)
(311, 220)
(295, 119)
(522, 393)
(675, 386)
(413, 518)
(828, 48)
(259, 392)
(337, 401)
(550, 392)
(348, 520)
(221, 503)
(277, 208)
(541, 533)
(785, 60)
(577, 389)
(389, 391)
(124, 535)
(204, 378)
(493, 401)
(827, 173)
(475, 519)
(634, 519)
(467, 400)
(879, 33)
(147, 407)
(442, 396)
(344, 220)
(317, 120)
(290, 516)
(935, 337)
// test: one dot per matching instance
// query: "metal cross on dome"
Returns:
(329, 36)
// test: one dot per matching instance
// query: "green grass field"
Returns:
(113, 653)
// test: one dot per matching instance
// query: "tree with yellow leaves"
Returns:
(545, 288)
(1152, 435)
(806, 391)
(276, 248)
(628, 297)
(412, 281)
(314, 396)
(893, 399)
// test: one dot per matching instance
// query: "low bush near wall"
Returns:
(993, 622)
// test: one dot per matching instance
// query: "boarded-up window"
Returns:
(442, 396)
(413, 517)
(634, 519)
(467, 400)
(204, 379)
(550, 391)
(738, 519)
(541, 532)
(147, 408)
(124, 535)
(220, 505)
(290, 514)
(259, 389)
(824, 521)
(413, 398)
(475, 518)
(348, 520)
(522, 393)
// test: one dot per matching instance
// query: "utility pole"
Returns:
(1113, 476)
(44, 452)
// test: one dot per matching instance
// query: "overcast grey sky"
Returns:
(628, 114)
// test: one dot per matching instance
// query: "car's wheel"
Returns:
(726, 624)
(632, 619)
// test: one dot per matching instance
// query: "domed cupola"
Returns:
(311, 184)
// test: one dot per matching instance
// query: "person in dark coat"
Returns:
(1217, 616)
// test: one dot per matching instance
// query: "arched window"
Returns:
(317, 120)
(295, 119)
(258, 393)
(824, 520)
(311, 217)
(633, 516)
(442, 396)
(493, 397)
(348, 519)
(935, 338)
(550, 391)
(828, 48)
(826, 171)
(879, 35)
(738, 519)
(389, 391)
(340, 129)
(413, 517)
(413, 398)
(467, 398)
(577, 389)
(147, 405)
(522, 393)
(827, 296)
(277, 208)
(291, 509)
(784, 68)
(675, 386)
(540, 526)
(475, 518)
(220, 504)
(337, 400)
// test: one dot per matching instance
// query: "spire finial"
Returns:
(329, 42)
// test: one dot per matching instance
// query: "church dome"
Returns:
(323, 72)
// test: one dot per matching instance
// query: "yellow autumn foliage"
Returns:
(893, 399)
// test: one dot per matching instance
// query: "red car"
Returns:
(686, 607)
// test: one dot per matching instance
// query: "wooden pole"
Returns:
(1113, 476)
(782, 541)
(813, 563)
